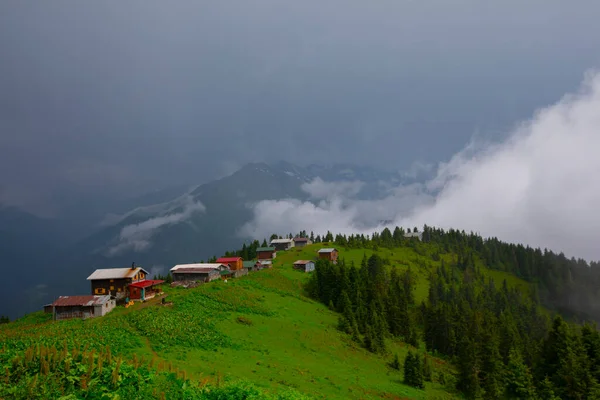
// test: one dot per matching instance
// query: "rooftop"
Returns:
(249, 264)
(65, 301)
(195, 270)
(115, 273)
(228, 259)
(146, 283)
(327, 250)
(266, 249)
(300, 239)
(265, 262)
(303, 262)
(198, 265)
(281, 241)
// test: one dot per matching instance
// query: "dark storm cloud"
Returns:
(107, 96)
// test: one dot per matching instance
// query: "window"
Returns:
(112, 280)
(99, 290)
(119, 289)
(112, 288)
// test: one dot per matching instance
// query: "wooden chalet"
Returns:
(114, 281)
(144, 290)
(304, 265)
(67, 307)
(234, 263)
(329, 254)
(266, 264)
(226, 274)
(266, 253)
(282, 244)
(301, 242)
(203, 272)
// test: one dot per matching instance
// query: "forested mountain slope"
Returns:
(395, 318)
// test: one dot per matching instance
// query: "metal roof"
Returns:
(303, 262)
(265, 262)
(300, 239)
(226, 272)
(228, 259)
(281, 241)
(199, 265)
(146, 283)
(195, 270)
(115, 273)
(247, 264)
(65, 301)
(266, 249)
(327, 250)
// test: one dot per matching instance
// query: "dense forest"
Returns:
(569, 286)
(502, 342)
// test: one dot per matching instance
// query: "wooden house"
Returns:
(226, 274)
(66, 307)
(282, 244)
(144, 290)
(114, 281)
(301, 241)
(203, 272)
(418, 235)
(266, 253)
(234, 263)
(329, 254)
(265, 263)
(305, 265)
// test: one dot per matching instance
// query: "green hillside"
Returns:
(259, 328)
(261, 335)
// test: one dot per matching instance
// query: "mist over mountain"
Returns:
(162, 228)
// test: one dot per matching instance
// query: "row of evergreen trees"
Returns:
(501, 342)
(372, 302)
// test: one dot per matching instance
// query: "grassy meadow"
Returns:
(259, 328)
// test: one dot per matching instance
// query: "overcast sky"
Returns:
(112, 95)
(539, 186)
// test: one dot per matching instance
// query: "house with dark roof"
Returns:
(282, 244)
(67, 307)
(114, 281)
(266, 253)
(202, 272)
(305, 265)
(329, 254)
(234, 263)
(301, 241)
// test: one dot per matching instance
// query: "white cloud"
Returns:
(540, 187)
(137, 236)
(319, 189)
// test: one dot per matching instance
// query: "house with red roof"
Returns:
(235, 263)
(144, 290)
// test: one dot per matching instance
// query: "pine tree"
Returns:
(546, 390)
(395, 364)
(518, 380)
(413, 370)
(427, 371)
(409, 373)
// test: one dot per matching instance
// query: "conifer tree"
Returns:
(413, 370)
(395, 364)
(518, 379)
(427, 371)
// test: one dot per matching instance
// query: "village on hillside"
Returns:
(112, 286)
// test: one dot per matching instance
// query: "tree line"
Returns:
(502, 342)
